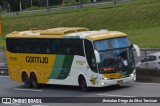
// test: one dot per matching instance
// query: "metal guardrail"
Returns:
(3, 63)
(68, 7)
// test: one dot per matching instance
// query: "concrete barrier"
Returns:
(148, 75)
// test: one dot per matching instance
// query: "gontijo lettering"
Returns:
(30, 59)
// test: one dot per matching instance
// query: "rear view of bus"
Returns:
(70, 56)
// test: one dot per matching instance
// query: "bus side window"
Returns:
(73, 47)
(25, 47)
(90, 55)
(46, 46)
(78, 47)
(12, 45)
(56, 46)
(68, 46)
(36, 46)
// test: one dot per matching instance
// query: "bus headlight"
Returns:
(104, 78)
(133, 75)
(102, 83)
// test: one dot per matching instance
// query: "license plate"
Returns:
(113, 75)
(119, 81)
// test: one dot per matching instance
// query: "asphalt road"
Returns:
(10, 88)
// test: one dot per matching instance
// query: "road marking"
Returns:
(11, 103)
(39, 105)
(4, 76)
(27, 89)
(115, 95)
(146, 83)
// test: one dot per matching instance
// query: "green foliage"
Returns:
(139, 20)
(85, 1)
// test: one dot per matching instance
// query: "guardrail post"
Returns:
(81, 6)
(16, 14)
(48, 7)
(145, 52)
(114, 2)
(147, 71)
(48, 11)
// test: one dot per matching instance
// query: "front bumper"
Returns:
(109, 82)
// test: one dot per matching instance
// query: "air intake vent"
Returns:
(62, 31)
(15, 32)
(33, 29)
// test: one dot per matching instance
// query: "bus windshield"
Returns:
(115, 55)
(114, 43)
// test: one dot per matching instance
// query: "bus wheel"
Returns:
(34, 81)
(26, 80)
(116, 86)
(82, 83)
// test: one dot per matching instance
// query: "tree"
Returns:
(15, 5)
(55, 2)
(42, 3)
(31, 3)
(6, 5)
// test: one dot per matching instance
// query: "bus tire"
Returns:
(34, 81)
(116, 86)
(26, 80)
(82, 83)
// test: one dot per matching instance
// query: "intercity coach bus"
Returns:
(70, 56)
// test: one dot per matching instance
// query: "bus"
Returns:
(70, 56)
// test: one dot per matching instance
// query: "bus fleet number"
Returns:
(13, 58)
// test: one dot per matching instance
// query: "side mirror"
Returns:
(137, 50)
(97, 56)
(142, 61)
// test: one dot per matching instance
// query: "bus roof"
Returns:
(67, 32)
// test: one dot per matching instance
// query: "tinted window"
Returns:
(72, 47)
(152, 58)
(35, 45)
(46, 46)
(102, 45)
(79, 50)
(56, 46)
(149, 58)
(12, 45)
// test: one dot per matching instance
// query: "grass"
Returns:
(141, 21)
